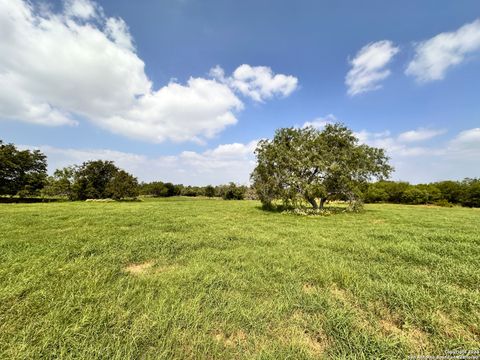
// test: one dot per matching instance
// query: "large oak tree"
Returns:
(315, 165)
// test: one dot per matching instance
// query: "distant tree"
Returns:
(234, 192)
(414, 195)
(60, 184)
(22, 172)
(156, 189)
(376, 193)
(310, 165)
(471, 194)
(452, 191)
(92, 178)
(209, 191)
(192, 191)
(122, 185)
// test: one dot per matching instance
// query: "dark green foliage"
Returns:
(451, 191)
(160, 189)
(234, 192)
(22, 172)
(414, 195)
(92, 179)
(209, 191)
(444, 193)
(471, 193)
(308, 164)
(122, 185)
(192, 191)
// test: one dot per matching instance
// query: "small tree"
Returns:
(122, 185)
(60, 184)
(314, 166)
(234, 192)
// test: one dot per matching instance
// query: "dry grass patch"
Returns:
(309, 288)
(454, 329)
(231, 340)
(392, 325)
(294, 332)
(138, 269)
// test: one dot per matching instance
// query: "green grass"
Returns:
(224, 279)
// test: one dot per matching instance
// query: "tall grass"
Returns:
(207, 279)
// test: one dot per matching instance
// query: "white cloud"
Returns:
(419, 135)
(320, 122)
(82, 9)
(257, 82)
(456, 158)
(369, 67)
(220, 165)
(118, 31)
(435, 56)
(466, 144)
(58, 68)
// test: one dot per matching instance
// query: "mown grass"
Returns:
(210, 279)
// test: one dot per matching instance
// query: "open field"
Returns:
(189, 278)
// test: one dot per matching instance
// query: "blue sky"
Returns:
(110, 79)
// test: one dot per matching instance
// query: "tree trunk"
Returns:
(322, 202)
(313, 202)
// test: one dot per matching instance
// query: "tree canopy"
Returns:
(315, 165)
(22, 172)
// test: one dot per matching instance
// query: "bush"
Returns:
(234, 192)
(471, 194)
(443, 203)
(414, 196)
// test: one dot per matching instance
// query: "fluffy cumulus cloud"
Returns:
(57, 68)
(369, 67)
(420, 134)
(257, 82)
(228, 162)
(435, 56)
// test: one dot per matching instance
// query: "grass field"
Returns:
(211, 279)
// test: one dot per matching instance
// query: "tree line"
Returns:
(23, 173)
(443, 193)
(297, 166)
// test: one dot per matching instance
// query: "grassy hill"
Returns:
(211, 279)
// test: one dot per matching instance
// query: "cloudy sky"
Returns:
(181, 90)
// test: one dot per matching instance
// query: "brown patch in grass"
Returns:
(452, 329)
(418, 339)
(138, 269)
(389, 327)
(316, 344)
(293, 331)
(349, 302)
(308, 288)
(339, 294)
(231, 340)
(392, 325)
